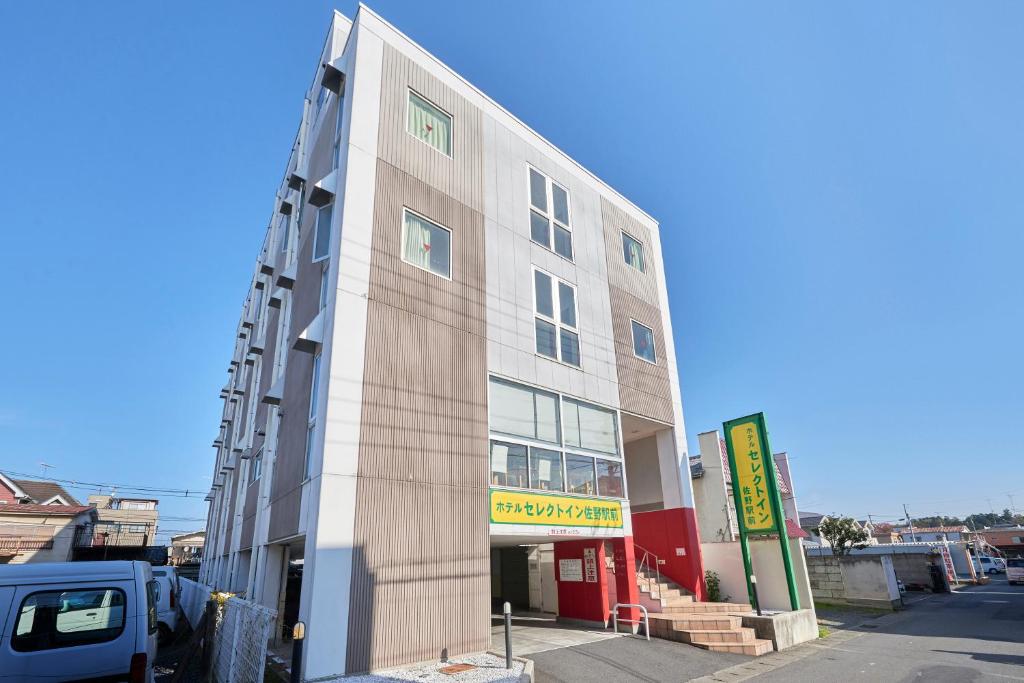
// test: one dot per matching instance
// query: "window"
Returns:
(609, 478)
(633, 252)
(521, 411)
(426, 245)
(549, 214)
(256, 466)
(55, 619)
(314, 389)
(643, 342)
(337, 125)
(135, 528)
(152, 600)
(557, 334)
(284, 231)
(546, 469)
(324, 287)
(589, 427)
(321, 97)
(429, 123)
(534, 434)
(508, 465)
(322, 238)
(579, 472)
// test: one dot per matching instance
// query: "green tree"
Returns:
(843, 534)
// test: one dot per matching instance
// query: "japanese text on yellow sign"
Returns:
(514, 507)
(751, 478)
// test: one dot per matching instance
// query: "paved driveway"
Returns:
(973, 635)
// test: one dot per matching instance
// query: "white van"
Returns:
(168, 593)
(68, 621)
(989, 565)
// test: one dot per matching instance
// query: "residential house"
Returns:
(934, 533)
(1009, 540)
(455, 348)
(38, 521)
(884, 533)
(123, 529)
(21, 491)
(187, 548)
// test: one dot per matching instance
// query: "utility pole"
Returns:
(1013, 508)
(913, 536)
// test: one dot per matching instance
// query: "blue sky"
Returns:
(838, 188)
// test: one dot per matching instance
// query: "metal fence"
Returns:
(240, 644)
(240, 635)
(193, 599)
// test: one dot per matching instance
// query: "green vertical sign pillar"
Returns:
(756, 493)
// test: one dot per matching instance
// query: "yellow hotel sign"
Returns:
(750, 478)
(520, 507)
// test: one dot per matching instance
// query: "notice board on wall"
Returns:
(570, 570)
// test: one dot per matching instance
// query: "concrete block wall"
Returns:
(826, 577)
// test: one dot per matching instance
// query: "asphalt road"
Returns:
(976, 634)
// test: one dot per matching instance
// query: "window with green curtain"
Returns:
(633, 252)
(426, 245)
(430, 124)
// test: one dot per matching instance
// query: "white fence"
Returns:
(193, 600)
(241, 633)
(240, 644)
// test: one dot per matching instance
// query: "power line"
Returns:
(184, 493)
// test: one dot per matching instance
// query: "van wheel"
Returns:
(164, 634)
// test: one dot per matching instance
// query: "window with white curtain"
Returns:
(555, 326)
(633, 252)
(549, 214)
(322, 238)
(643, 342)
(590, 427)
(520, 410)
(429, 123)
(426, 244)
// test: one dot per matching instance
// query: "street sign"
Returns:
(756, 494)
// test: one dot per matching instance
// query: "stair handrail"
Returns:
(646, 561)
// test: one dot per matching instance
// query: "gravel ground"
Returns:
(168, 658)
(488, 669)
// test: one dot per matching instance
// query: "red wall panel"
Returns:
(661, 532)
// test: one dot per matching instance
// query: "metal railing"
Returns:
(644, 621)
(644, 565)
(20, 544)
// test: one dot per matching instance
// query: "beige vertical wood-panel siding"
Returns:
(421, 568)
(644, 389)
(461, 175)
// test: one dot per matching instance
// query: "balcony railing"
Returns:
(22, 544)
(109, 535)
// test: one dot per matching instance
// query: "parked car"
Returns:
(1015, 570)
(989, 565)
(168, 596)
(69, 621)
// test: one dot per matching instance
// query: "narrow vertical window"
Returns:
(427, 245)
(322, 236)
(643, 342)
(429, 123)
(555, 324)
(284, 231)
(633, 252)
(324, 287)
(549, 214)
(314, 390)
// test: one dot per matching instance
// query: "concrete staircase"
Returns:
(716, 626)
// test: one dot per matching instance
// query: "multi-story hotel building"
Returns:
(454, 379)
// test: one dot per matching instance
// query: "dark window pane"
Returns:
(561, 201)
(563, 242)
(567, 304)
(322, 245)
(570, 347)
(546, 470)
(609, 478)
(540, 229)
(546, 344)
(538, 192)
(579, 472)
(508, 465)
(542, 294)
(643, 342)
(440, 251)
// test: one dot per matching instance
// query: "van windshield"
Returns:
(1017, 564)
